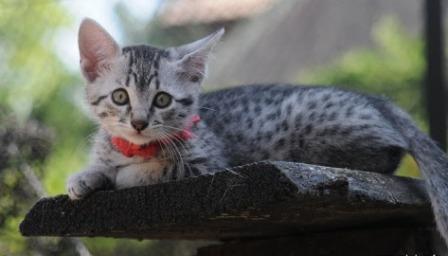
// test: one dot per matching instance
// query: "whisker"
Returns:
(178, 139)
(178, 151)
(208, 108)
(177, 129)
(161, 147)
(171, 127)
(178, 157)
(181, 142)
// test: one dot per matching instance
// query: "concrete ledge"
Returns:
(264, 199)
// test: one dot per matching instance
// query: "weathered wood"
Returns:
(367, 242)
(259, 200)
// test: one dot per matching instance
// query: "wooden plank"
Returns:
(259, 200)
(368, 242)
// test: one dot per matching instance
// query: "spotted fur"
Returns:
(315, 125)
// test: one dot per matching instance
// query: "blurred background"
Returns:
(373, 46)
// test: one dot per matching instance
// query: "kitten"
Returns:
(147, 100)
(142, 95)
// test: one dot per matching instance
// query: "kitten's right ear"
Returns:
(192, 57)
(96, 48)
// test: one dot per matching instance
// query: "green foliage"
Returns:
(34, 85)
(394, 68)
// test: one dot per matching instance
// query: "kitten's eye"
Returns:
(120, 97)
(162, 100)
(195, 78)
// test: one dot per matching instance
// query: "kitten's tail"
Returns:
(432, 161)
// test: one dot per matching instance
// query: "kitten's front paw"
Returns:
(82, 184)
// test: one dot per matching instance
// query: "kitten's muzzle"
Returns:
(139, 125)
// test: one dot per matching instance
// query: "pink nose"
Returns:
(139, 125)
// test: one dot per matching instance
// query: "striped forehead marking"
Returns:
(143, 66)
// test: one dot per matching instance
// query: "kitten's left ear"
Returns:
(192, 57)
(96, 48)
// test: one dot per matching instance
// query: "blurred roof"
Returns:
(296, 36)
(184, 12)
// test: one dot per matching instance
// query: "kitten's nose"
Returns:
(139, 125)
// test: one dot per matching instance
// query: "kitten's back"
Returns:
(320, 125)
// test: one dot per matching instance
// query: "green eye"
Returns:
(120, 97)
(162, 100)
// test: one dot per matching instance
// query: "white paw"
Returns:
(82, 184)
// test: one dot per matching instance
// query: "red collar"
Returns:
(149, 150)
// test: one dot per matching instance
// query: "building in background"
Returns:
(272, 41)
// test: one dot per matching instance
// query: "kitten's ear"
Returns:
(96, 48)
(193, 56)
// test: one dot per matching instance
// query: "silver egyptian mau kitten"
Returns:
(147, 102)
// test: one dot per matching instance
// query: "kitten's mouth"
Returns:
(138, 138)
(141, 134)
(149, 133)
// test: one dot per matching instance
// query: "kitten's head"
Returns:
(142, 93)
